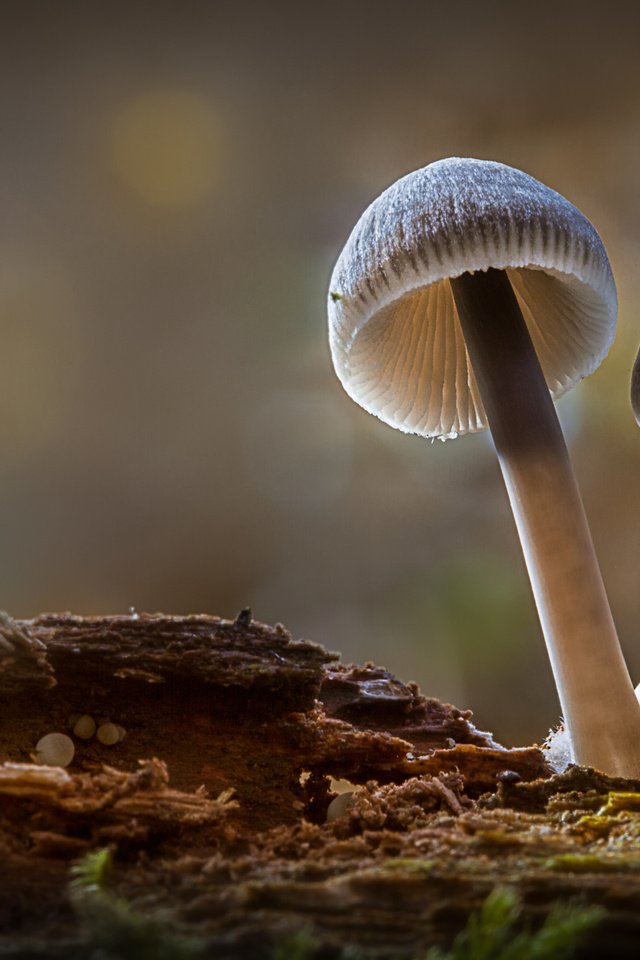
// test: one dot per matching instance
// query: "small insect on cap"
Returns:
(395, 337)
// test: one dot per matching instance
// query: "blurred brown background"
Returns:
(176, 182)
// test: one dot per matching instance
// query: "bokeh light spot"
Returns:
(40, 350)
(166, 147)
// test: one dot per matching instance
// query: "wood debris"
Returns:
(214, 805)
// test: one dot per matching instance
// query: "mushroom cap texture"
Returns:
(394, 332)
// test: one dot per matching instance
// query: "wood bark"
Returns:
(214, 805)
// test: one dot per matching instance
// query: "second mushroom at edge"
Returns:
(465, 293)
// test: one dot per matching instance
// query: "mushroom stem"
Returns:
(600, 709)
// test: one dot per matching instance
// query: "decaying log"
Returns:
(214, 804)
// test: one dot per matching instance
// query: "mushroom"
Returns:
(84, 727)
(466, 296)
(109, 734)
(340, 806)
(55, 750)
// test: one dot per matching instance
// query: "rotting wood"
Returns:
(225, 831)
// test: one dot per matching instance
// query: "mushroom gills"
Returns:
(409, 365)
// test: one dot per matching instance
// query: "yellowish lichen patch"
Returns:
(618, 802)
(594, 824)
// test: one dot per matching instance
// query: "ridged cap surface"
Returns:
(394, 333)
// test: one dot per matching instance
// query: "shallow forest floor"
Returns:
(260, 791)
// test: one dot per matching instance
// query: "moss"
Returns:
(410, 865)
(492, 933)
(112, 929)
(295, 946)
(591, 863)
(576, 863)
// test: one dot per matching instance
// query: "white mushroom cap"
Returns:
(395, 336)
(55, 750)
(84, 727)
(108, 734)
(339, 806)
